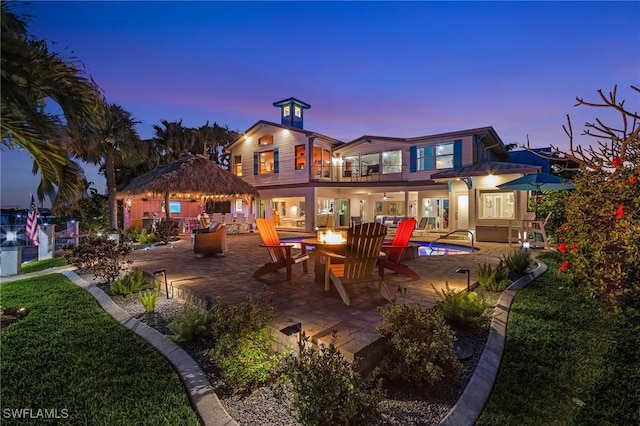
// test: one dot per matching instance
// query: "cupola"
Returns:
(291, 112)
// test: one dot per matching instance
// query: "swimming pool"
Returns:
(425, 248)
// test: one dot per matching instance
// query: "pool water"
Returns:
(425, 248)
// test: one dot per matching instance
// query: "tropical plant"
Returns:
(418, 345)
(601, 238)
(493, 279)
(91, 212)
(517, 261)
(33, 76)
(111, 143)
(132, 282)
(148, 298)
(190, 324)
(463, 307)
(320, 387)
(166, 229)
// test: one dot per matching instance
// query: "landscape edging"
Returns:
(472, 401)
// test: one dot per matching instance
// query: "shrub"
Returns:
(324, 389)
(463, 307)
(104, 258)
(242, 342)
(166, 229)
(190, 324)
(132, 282)
(491, 279)
(518, 261)
(148, 298)
(419, 345)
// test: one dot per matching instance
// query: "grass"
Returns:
(40, 265)
(566, 361)
(68, 353)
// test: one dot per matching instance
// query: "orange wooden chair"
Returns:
(395, 251)
(281, 254)
(361, 256)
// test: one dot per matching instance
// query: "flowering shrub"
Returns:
(105, 259)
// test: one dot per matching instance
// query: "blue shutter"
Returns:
(276, 167)
(413, 159)
(428, 161)
(457, 153)
(256, 163)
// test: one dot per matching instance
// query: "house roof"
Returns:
(488, 167)
(291, 100)
(263, 123)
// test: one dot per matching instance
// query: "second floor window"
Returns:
(444, 156)
(266, 140)
(301, 158)
(425, 158)
(237, 165)
(265, 162)
(392, 162)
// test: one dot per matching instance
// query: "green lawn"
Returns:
(40, 265)
(566, 361)
(70, 354)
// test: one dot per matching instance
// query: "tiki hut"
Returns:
(191, 178)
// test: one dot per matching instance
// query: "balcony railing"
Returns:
(371, 173)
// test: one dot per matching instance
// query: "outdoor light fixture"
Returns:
(384, 196)
(164, 273)
(468, 272)
(129, 203)
(293, 329)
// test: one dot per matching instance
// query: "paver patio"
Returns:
(302, 300)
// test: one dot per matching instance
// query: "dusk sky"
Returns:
(378, 68)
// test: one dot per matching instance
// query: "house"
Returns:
(309, 180)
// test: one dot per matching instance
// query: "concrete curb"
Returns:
(54, 270)
(472, 401)
(202, 396)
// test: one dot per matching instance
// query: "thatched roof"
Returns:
(193, 174)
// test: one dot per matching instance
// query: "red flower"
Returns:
(633, 179)
(575, 247)
(620, 212)
(562, 247)
(562, 228)
(617, 162)
(563, 267)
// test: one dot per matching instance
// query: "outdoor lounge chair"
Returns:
(361, 256)
(395, 251)
(210, 241)
(281, 254)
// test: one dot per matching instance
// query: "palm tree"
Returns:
(31, 76)
(114, 142)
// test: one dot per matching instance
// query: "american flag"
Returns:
(32, 223)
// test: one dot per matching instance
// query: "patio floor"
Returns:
(302, 300)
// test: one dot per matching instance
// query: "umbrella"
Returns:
(537, 182)
(191, 174)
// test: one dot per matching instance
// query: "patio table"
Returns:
(320, 259)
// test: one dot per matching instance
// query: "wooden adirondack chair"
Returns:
(395, 251)
(281, 254)
(361, 256)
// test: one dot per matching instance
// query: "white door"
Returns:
(462, 211)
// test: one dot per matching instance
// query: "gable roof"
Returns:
(263, 123)
(487, 167)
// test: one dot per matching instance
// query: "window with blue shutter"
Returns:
(457, 153)
(413, 159)
(276, 166)
(256, 163)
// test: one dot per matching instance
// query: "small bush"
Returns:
(242, 343)
(320, 387)
(148, 298)
(463, 307)
(190, 324)
(518, 261)
(103, 258)
(166, 229)
(491, 279)
(419, 345)
(133, 282)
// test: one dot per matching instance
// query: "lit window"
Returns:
(497, 205)
(267, 161)
(301, 158)
(286, 111)
(424, 158)
(392, 162)
(444, 156)
(266, 140)
(297, 111)
(237, 165)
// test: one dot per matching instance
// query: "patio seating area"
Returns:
(302, 300)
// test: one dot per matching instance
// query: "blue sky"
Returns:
(377, 68)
